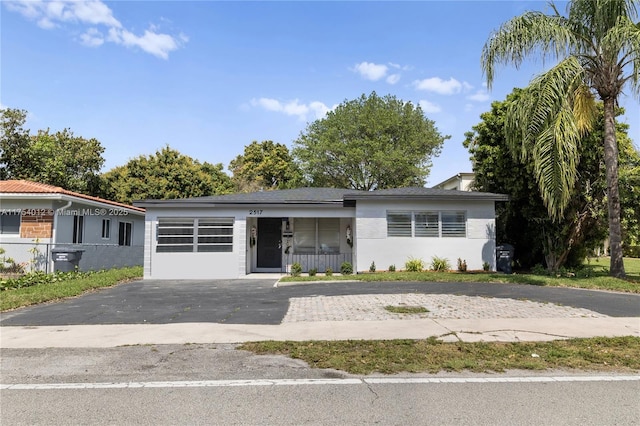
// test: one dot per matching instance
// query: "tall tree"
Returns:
(166, 175)
(524, 221)
(369, 143)
(598, 48)
(59, 158)
(264, 165)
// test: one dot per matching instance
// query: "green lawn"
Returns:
(15, 298)
(594, 275)
(432, 356)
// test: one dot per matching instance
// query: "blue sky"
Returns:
(209, 77)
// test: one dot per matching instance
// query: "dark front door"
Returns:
(269, 240)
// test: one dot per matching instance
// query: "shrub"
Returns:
(372, 267)
(313, 272)
(41, 278)
(392, 268)
(346, 268)
(328, 272)
(631, 251)
(462, 265)
(538, 269)
(8, 265)
(414, 265)
(440, 264)
(296, 269)
(486, 266)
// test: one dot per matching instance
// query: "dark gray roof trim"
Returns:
(282, 196)
(324, 196)
(424, 194)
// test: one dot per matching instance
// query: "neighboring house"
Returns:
(36, 218)
(230, 236)
(459, 182)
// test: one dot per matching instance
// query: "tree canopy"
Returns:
(264, 165)
(524, 221)
(369, 143)
(598, 50)
(167, 174)
(59, 158)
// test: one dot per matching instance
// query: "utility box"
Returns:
(65, 259)
(504, 258)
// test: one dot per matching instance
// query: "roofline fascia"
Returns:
(56, 196)
(209, 204)
(463, 196)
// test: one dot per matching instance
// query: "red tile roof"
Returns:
(29, 187)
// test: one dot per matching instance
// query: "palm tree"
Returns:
(597, 46)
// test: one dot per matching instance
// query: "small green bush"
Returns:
(486, 266)
(392, 268)
(41, 278)
(414, 265)
(296, 269)
(631, 251)
(328, 272)
(313, 272)
(440, 264)
(346, 268)
(462, 265)
(538, 269)
(372, 267)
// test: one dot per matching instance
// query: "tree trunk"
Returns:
(613, 195)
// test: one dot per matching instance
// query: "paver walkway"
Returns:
(371, 307)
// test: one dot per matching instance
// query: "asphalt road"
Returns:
(259, 302)
(219, 385)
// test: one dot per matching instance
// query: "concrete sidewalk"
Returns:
(468, 330)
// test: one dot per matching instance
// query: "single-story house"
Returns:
(231, 236)
(36, 218)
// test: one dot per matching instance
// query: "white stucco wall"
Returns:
(239, 262)
(373, 245)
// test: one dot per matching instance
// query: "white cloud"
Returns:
(440, 86)
(51, 14)
(480, 96)
(92, 38)
(371, 71)
(393, 78)
(429, 107)
(400, 67)
(293, 108)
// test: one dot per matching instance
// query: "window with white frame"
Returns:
(78, 229)
(124, 233)
(454, 224)
(106, 229)
(175, 235)
(316, 236)
(432, 224)
(399, 224)
(215, 235)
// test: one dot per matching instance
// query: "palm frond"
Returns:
(624, 40)
(555, 155)
(584, 108)
(534, 128)
(523, 35)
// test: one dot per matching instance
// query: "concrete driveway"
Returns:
(252, 301)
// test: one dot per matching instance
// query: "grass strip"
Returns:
(432, 356)
(596, 277)
(16, 298)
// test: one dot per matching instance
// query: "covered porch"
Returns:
(316, 243)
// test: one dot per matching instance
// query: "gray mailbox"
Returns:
(66, 259)
(504, 257)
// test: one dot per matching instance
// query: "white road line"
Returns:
(307, 382)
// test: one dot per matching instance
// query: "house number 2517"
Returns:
(253, 212)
